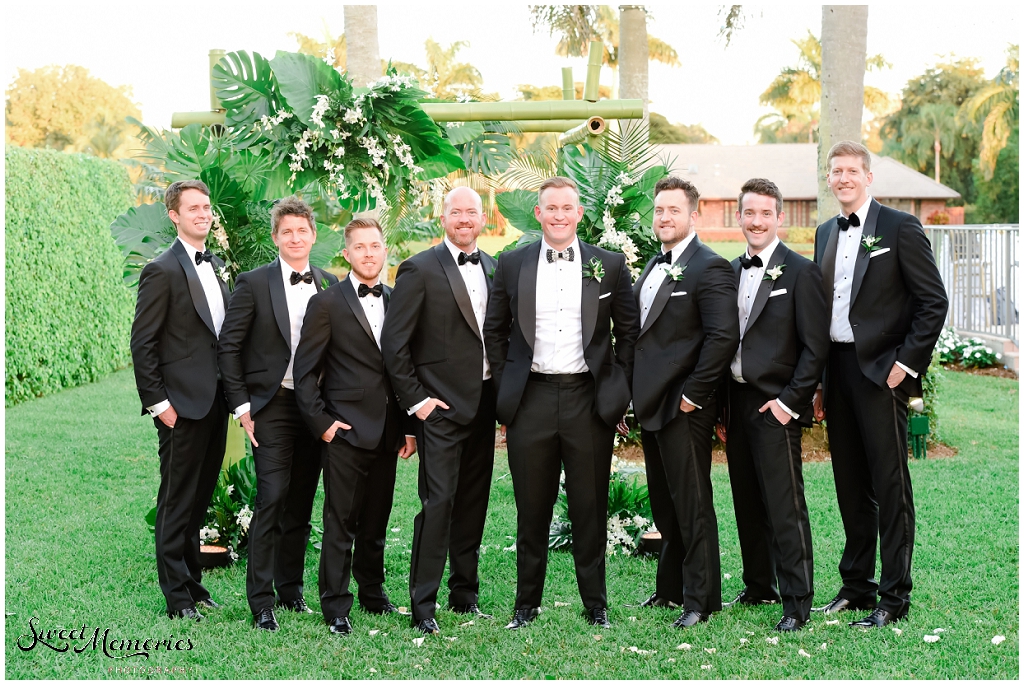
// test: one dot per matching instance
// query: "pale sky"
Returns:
(160, 49)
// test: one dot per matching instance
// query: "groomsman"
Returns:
(783, 322)
(688, 334)
(434, 353)
(256, 354)
(354, 412)
(178, 315)
(562, 387)
(888, 305)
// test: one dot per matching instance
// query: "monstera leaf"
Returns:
(328, 244)
(142, 233)
(226, 195)
(246, 87)
(301, 78)
(517, 206)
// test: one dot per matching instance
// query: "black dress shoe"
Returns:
(690, 617)
(842, 604)
(188, 612)
(427, 626)
(297, 605)
(746, 599)
(788, 624)
(658, 602)
(522, 617)
(208, 603)
(382, 609)
(877, 619)
(598, 617)
(340, 626)
(471, 608)
(265, 620)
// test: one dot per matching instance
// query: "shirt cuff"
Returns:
(416, 407)
(687, 400)
(159, 408)
(242, 409)
(786, 409)
(907, 369)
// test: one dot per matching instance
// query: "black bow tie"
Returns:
(205, 256)
(753, 261)
(845, 223)
(473, 257)
(663, 258)
(376, 290)
(296, 277)
(567, 255)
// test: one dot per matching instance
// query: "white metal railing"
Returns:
(979, 265)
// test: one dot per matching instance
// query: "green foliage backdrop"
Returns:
(68, 313)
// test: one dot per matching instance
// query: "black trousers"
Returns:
(768, 495)
(456, 463)
(557, 424)
(359, 489)
(867, 434)
(191, 455)
(287, 473)
(678, 459)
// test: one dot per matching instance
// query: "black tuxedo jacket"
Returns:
(898, 303)
(785, 343)
(337, 340)
(431, 340)
(174, 342)
(511, 328)
(255, 340)
(689, 337)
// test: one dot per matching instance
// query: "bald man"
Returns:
(434, 353)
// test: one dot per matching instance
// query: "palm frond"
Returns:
(527, 169)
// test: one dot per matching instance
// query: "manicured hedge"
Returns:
(68, 313)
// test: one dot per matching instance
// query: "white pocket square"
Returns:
(780, 291)
(878, 252)
(678, 294)
(604, 296)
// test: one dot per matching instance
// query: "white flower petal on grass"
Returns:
(402, 610)
(373, 632)
(931, 638)
(510, 548)
(750, 632)
(671, 661)
(373, 670)
(705, 667)
(710, 650)
(824, 646)
(727, 576)
(467, 623)
(561, 604)
(898, 631)
(803, 652)
(744, 640)
(632, 618)
(939, 630)
(772, 640)
(395, 530)
(685, 647)
(419, 666)
(998, 639)
(832, 623)
(598, 637)
(418, 641)
(451, 638)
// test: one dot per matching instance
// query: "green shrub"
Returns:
(68, 314)
(800, 234)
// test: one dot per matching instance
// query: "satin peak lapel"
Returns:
(195, 288)
(591, 292)
(458, 286)
(863, 256)
(765, 287)
(352, 299)
(828, 261)
(526, 297)
(278, 300)
(668, 285)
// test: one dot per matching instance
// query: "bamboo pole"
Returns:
(593, 84)
(568, 87)
(588, 130)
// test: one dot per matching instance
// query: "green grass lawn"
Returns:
(81, 472)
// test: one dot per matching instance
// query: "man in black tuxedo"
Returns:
(434, 353)
(888, 305)
(256, 355)
(181, 302)
(688, 334)
(783, 347)
(562, 387)
(355, 413)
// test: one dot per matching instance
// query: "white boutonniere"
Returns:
(223, 273)
(870, 243)
(594, 269)
(675, 272)
(773, 273)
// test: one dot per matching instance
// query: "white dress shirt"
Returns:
(214, 299)
(558, 343)
(373, 308)
(656, 277)
(750, 283)
(847, 248)
(297, 297)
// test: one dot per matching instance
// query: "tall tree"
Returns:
(634, 53)
(932, 130)
(996, 108)
(844, 41)
(361, 33)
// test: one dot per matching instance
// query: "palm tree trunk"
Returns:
(361, 39)
(938, 153)
(634, 55)
(844, 47)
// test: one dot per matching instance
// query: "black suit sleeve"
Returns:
(498, 323)
(151, 309)
(400, 325)
(626, 321)
(921, 277)
(233, 332)
(716, 300)
(309, 357)
(812, 329)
